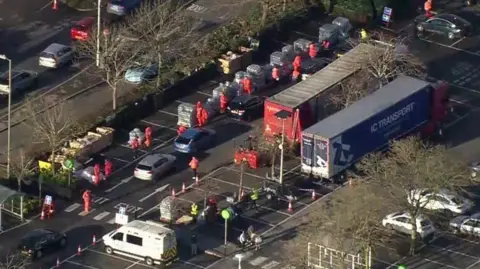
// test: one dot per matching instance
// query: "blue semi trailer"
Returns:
(404, 106)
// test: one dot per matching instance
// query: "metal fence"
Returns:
(321, 257)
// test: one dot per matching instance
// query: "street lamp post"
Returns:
(283, 115)
(9, 91)
(97, 56)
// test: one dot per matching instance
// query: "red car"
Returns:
(81, 29)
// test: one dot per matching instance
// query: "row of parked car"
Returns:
(450, 203)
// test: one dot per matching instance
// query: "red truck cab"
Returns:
(81, 29)
(439, 108)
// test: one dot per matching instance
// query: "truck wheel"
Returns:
(149, 261)
(108, 250)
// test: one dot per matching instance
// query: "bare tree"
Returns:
(394, 59)
(14, 261)
(22, 168)
(117, 55)
(50, 122)
(208, 186)
(410, 166)
(352, 90)
(348, 223)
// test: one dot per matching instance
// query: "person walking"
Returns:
(223, 102)
(247, 85)
(194, 166)
(275, 74)
(242, 239)
(296, 75)
(363, 34)
(312, 50)
(135, 144)
(194, 212)
(428, 8)
(86, 201)
(193, 244)
(108, 168)
(253, 199)
(180, 130)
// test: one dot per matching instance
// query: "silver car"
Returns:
(468, 225)
(153, 166)
(22, 81)
(56, 55)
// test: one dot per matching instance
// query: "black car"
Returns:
(38, 242)
(246, 107)
(449, 25)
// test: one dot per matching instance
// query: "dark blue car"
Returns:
(194, 140)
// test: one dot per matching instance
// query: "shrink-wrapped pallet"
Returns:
(257, 74)
(186, 115)
(136, 134)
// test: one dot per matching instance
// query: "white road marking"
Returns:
(82, 265)
(45, 6)
(128, 208)
(72, 207)
(115, 158)
(111, 221)
(84, 213)
(158, 125)
(99, 200)
(168, 113)
(454, 48)
(139, 150)
(101, 215)
(154, 192)
(35, 42)
(270, 265)
(259, 260)
(460, 102)
(306, 35)
(123, 181)
(473, 264)
(456, 42)
(133, 264)
(456, 252)
(204, 93)
(116, 257)
(442, 264)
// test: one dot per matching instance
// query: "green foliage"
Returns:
(30, 204)
(59, 178)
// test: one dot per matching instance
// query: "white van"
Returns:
(143, 240)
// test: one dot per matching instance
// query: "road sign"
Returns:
(48, 200)
(122, 219)
(68, 164)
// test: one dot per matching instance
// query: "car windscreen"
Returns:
(457, 200)
(144, 167)
(236, 105)
(182, 140)
(3, 81)
(80, 28)
(117, 2)
(47, 55)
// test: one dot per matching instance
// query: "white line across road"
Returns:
(168, 113)
(456, 42)
(81, 265)
(154, 192)
(101, 215)
(447, 46)
(158, 125)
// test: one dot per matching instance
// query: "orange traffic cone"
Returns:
(196, 181)
(183, 188)
(42, 215)
(54, 7)
(94, 240)
(314, 195)
(173, 193)
(79, 250)
(58, 262)
(290, 208)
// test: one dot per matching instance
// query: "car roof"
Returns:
(475, 216)
(241, 99)
(191, 133)
(37, 233)
(420, 217)
(449, 17)
(87, 21)
(150, 159)
(54, 48)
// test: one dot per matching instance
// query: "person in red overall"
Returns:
(148, 136)
(312, 50)
(275, 74)
(428, 8)
(96, 172)
(86, 201)
(199, 114)
(180, 130)
(223, 103)
(194, 166)
(135, 144)
(297, 62)
(296, 74)
(204, 117)
(108, 168)
(247, 85)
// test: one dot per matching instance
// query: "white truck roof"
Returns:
(326, 78)
(148, 227)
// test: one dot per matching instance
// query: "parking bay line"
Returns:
(133, 264)
(82, 265)
(114, 158)
(442, 264)
(72, 207)
(168, 113)
(456, 42)
(158, 125)
(101, 215)
(455, 252)
(84, 213)
(473, 264)
(117, 257)
(454, 48)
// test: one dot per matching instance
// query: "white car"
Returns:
(401, 222)
(469, 225)
(56, 55)
(153, 166)
(441, 200)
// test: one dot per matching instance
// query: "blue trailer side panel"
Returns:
(376, 132)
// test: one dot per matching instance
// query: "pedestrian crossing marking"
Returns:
(259, 260)
(111, 221)
(270, 265)
(101, 215)
(72, 207)
(99, 200)
(84, 213)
